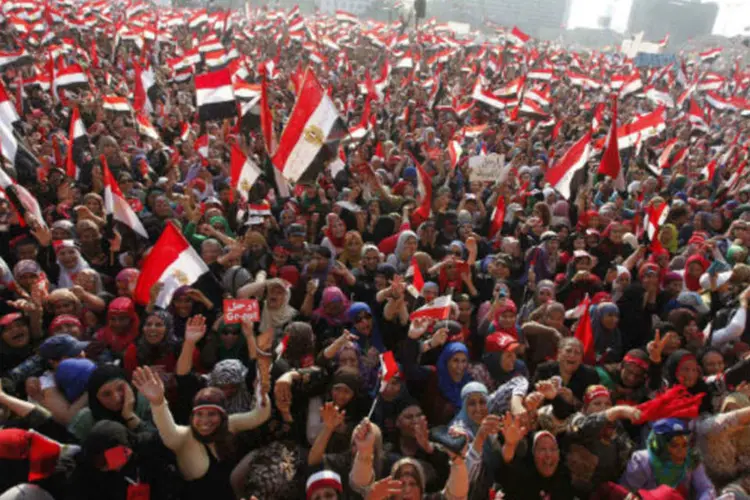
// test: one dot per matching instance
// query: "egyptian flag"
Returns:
(115, 204)
(145, 127)
(116, 104)
(388, 369)
(14, 150)
(266, 118)
(631, 86)
(438, 309)
(697, 118)
(244, 172)
(498, 216)
(70, 78)
(563, 175)
(610, 164)
(22, 201)
(416, 274)
(311, 135)
(146, 92)
(454, 152)
(8, 112)
(518, 37)
(78, 145)
(585, 333)
(710, 55)
(214, 95)
(424, 187)
(655, 217)
(16, 58)
(172, 262)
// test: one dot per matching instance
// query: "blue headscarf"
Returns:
(364, 341)
(72, 376)
(462, 419)
(666, 472)
(448, 388)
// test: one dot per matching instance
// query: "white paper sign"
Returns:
(487, 168)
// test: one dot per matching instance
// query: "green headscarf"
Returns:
(734, 252)
(666, 472)
(218, 218)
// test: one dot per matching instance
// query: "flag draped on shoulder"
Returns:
(314, 122)
(172, 262)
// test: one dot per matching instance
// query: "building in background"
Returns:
(681, 19)
(532, 16)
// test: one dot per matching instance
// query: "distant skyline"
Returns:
(733, 17)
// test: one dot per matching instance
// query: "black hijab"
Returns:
(100, 376)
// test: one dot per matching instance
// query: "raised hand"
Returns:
(512, 429)
(128, 404)
(422, 434)
(546, 388)
(490, 425)
(332, 417)
(385, 488)
(656, 346)
(196, 329)
(364, 437)
(149, 384)
(418, 328)
(439, 338)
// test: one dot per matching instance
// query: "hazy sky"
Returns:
(733, 18)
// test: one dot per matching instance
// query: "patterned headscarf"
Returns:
(232, 372)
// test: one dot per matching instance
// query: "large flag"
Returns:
(214, 95)
(244, 172)
(314, 124)
(78, 144)
(116, 205)
(585, 333)
(562, 176)
(146, 91)
(642, 128)
(172, 262)
(611, 164)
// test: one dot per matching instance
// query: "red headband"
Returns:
(629, 358)
(599, 391)
(209, 407)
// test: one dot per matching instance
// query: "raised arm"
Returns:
(194, 332)
(150, 385)
(250, 420)
(332, 418)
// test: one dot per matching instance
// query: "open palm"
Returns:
(149, 384)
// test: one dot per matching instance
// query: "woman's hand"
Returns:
(385, 488)
(546, 388)
(155, 291)
(512, 429)
(656, 346)
(195, 329)
(422, 434)
(364, 438)
(439, 338)
(332, 417)
(490, 425)
(418, 328)
(149, 384)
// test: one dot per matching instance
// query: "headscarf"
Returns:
(374, 338)
(402, 238)
(617, 289)
(148, 353)
(462, 419)
(130, 276)
(691, 283)
(328, 231)
(277, 318)
(232, 372)
(673, 244)
(224, 223)
(72, 376)
(102, 375)
(330, 295)
(665, 472)
(119, 342)
(351, 259)
(733, 252)
(502, 308)
(448, 388)
(67, 276)
(602, 337)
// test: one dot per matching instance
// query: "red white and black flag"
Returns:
(611, 164)
(146, 92)
(563, 176)
(311, 135)
(244, 172)
(214, 95)
(78, 145)
(115, 204)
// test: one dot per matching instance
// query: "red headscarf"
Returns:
(119, 342)
(505, 306)
(692, 283)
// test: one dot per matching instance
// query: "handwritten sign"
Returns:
(238, 310)
(486, 168)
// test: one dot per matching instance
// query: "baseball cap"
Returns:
(61, 346)
(500, 342)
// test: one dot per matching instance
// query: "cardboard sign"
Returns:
(487, 168)
(238, 310)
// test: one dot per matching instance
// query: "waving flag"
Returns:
(214, 95)
(562, 176)
(78, 144)
(115, 203)
(388, 369)
(610, 164)
(438, 309)
(244, 172)
(172, 262)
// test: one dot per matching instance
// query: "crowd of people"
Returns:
(422, 332)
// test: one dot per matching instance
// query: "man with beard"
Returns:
(203, 449)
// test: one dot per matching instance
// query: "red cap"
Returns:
(500, 342)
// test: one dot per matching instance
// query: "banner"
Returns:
(239, 310)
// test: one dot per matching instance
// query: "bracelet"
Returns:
(262, 353)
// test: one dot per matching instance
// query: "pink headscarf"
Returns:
(331, 295)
